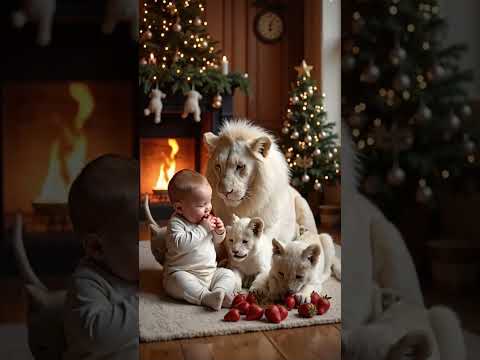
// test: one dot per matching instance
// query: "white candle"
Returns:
(224, 65)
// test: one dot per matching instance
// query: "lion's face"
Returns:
(235, 166)
(242, 237)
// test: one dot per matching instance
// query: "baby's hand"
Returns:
(219, 226)
(208, 223)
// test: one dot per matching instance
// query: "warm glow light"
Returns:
(167, 168)
(68, 152)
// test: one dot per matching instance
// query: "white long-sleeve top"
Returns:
(190, 247)
(101, 316)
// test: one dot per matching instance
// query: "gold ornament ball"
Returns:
(217, 104)
(148, 34)
(197, 21)
(217, 98)
(143, 61)
(306, 127)
(285, 130)
(177, 27)
(308, 138)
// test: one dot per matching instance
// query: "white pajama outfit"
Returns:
(190, 262)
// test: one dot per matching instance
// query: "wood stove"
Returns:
(172, 145)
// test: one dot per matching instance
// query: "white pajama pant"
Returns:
(186, 286)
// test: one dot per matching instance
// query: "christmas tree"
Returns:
(177, 54)
(403, 98)
(308, 140)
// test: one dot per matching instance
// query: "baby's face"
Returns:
(197, 205)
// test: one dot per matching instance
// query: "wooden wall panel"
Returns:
(270, 67)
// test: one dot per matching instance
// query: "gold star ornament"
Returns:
(304, 69)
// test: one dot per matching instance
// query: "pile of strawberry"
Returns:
(276, 313)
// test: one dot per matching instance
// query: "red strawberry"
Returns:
(314, 297)
(290, 302)
(255, 312)
(251, 298)
(323, 305)
(232, 315)
(307, 310)
(283, 311)
(238, 299)
(243, 307)
(273, 314)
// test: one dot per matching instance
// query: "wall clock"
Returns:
(269, 26)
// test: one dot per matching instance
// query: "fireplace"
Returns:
(51, 129)
(173, 145)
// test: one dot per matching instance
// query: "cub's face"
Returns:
(293, 265)
(242, 237)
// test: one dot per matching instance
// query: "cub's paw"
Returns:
(302, 298)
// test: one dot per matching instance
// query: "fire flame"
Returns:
(68, 152)
(167, 168)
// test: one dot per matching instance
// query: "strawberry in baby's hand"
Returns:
(243, 307)
(290, 302)
(323, 305)
(314, 297)
(255, 312)
(272, 313)
(238, 299)
(283, 311)
(251, 298)
(232, 315)
(307, 310)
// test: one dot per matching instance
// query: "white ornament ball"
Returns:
(305, 178)
(317, 186)
(466, 111)
(177, 27)
(197, 21)
(285, 130)
(317, 152)
(306, 127)
(308, 138)
(424, 194)
(396, 176)
(295, 135)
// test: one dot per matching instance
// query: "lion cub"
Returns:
(249, 251)
(299, 268)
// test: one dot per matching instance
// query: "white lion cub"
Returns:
(249, 251)
(299, 267)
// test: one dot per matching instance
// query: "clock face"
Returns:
(269, 26)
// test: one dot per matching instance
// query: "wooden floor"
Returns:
(315, 342)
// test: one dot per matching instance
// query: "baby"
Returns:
(191, 271)
(101, 310)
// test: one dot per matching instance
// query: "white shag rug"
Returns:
(162, 318)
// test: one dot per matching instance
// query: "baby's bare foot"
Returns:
(214, 299)
(227, 300)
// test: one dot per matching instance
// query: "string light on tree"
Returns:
(308, 137)
(415, 130)
(175, 47)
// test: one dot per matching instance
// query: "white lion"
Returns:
(250, 177)
(249, 251)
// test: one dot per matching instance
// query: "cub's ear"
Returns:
(414, 345)
(235, 218)
(256, 225)
(211, 140)
(312, 253)
(278, 248)
(261, 145)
